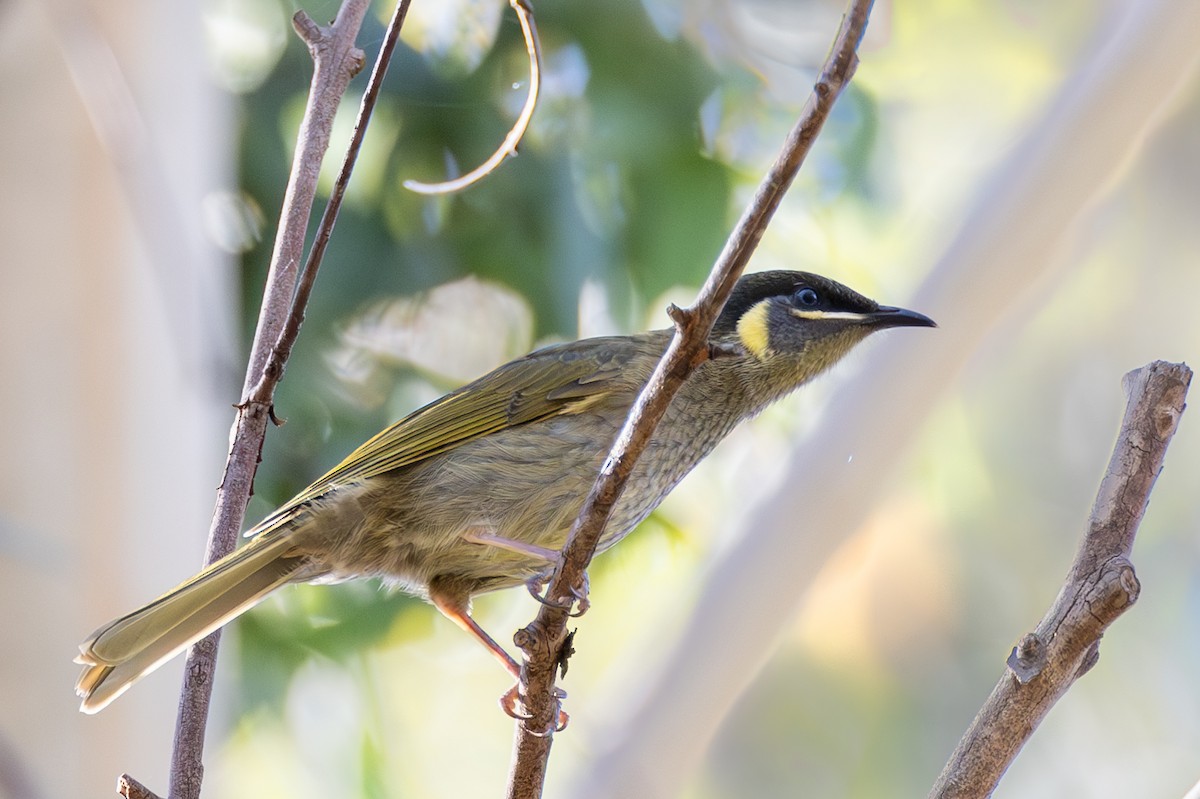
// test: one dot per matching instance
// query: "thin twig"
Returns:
(336, 61)
(509, 146)
(282, 350)
(542, 640)
(1100, 587)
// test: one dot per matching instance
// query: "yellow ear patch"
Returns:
(753, 332)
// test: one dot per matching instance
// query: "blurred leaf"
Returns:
(453, 35)
(245, 40)
(296, 624)
(374, 770)
(457, 331)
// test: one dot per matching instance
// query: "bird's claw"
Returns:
(536, 585)
(581, 596)
(511, 701)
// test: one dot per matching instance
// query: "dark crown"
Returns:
(753, 288)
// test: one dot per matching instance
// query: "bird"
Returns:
(477, 490)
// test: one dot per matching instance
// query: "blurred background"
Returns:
(144, 158)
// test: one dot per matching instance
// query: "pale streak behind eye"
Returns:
(849, 316)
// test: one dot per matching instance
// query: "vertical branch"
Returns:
(284, 301)
(336, 61)
(1100, 586)
(543, 639)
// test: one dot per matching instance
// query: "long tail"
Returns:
(120, 652)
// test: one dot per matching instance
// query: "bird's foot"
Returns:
(511, 704)
(535, 585)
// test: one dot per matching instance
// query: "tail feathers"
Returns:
(120, 652)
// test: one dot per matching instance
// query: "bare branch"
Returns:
(542, 640)
(336, 61)
(130, 788)
(509, 146)
(1100, 587)
(273, 371)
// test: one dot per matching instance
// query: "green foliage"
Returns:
(332, 623)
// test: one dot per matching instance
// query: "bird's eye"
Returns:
(807, 296)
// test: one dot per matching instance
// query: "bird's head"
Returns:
(804, 320)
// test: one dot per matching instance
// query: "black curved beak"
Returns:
(886, 316)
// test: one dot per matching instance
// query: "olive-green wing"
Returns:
(552, 381)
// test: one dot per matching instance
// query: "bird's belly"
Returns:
(525, 486)
(413, 525)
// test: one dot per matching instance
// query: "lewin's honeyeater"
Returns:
(477, 490)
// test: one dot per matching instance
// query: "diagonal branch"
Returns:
(543, 640)
(1099, 588)
(282, 350)
(336, 61)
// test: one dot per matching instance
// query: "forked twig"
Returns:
(308, 276)
(336, 60)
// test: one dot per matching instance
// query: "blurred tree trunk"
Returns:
(115, 317)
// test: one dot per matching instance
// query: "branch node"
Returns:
(682, 317)
(1130, 584)
(1165, 422)
(1090, 658)
(526, 638)
(1116, 588)
(130, 788)
(1027, 658)
(307, 29)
